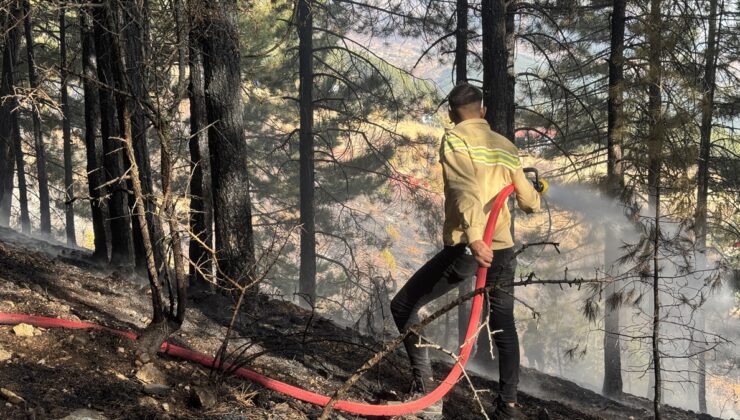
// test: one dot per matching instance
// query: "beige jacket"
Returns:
(477, 163)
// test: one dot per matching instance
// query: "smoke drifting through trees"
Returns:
(292, 120)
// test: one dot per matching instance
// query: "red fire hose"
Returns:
(349, 406)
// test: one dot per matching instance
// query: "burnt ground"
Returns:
(57, 372)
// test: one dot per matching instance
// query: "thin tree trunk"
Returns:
(509, 96)
(9, 108)
(655, 70)
(66, 134)
(656, 307)
(307, 279)
(229, 156)
(612, 350)
(120, 225)
(93, 143)
(162, 324)
(199, 186)
(615, 184)
(6, 203)
(21, 171)
(45, 213)
(702, 180)
(6, 129)
(655, 147)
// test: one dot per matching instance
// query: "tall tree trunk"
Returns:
(495, 62)
(707, 108)
(228, 149)
(509, 97)
(93, 143)
(45, 213)
(655, 147)
(9, 108)
(615, 185)
(66, 133)
(461, 42)
(655, 75)
(702, 180)
(133, 39)
(200, 200)
(498, 91)
(6, 141)
(307, 279)
(120, 223)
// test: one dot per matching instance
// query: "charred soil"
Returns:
(53, 373)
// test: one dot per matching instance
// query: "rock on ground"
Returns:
(149, 374)
(11, 396)
(24, 330)
(202, 397)
(85, 414)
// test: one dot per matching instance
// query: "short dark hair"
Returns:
(464, 94)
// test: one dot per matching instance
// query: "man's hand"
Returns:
(482, 253)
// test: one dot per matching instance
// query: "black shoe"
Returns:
(508, 411)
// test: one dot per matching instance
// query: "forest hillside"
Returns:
(57, 373)
(259, 181)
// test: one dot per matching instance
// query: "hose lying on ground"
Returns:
(349, 406)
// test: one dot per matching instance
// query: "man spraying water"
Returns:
(477, 163)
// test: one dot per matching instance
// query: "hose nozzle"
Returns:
(540, 185)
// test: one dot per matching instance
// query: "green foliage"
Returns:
(359, 99)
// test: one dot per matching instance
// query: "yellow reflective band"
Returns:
(494, 155)
(482, 154)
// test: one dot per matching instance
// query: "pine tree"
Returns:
(114, 161)
(615, 180)
(307, 279)
(39, 147)
(93, 144)
(232, 203)
(66, 132)
(9, 108)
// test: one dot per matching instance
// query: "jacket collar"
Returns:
(471, 122)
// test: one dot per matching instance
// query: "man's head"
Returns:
(465, 102)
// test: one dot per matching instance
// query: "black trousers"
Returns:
(443, 273)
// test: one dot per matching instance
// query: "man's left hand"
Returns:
(482, 253)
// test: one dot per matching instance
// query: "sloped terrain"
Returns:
(57, 372)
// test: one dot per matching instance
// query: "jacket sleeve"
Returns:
(527, 197)
(459, 177)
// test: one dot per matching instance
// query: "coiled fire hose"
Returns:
(349, 406)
